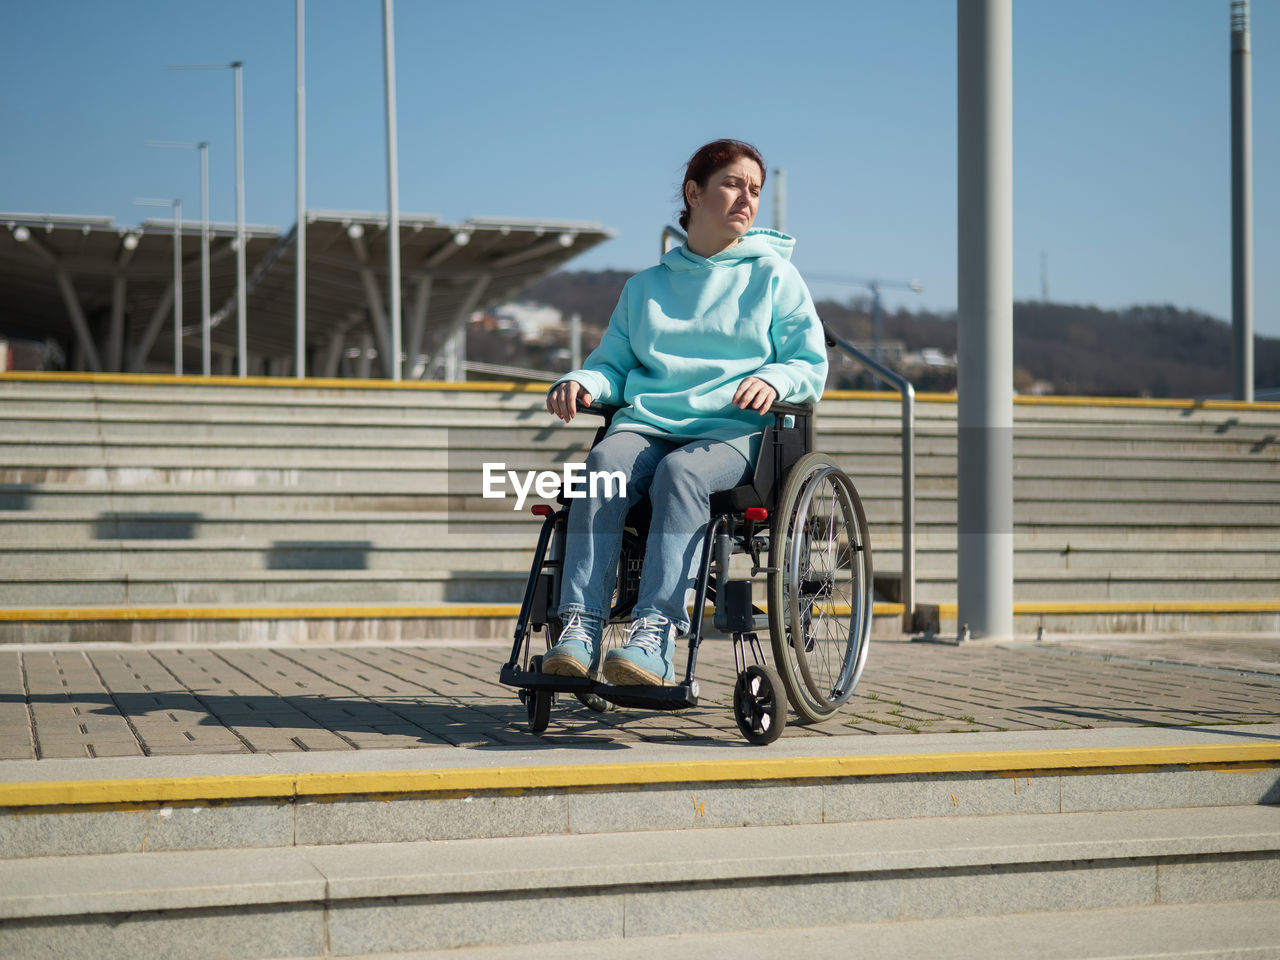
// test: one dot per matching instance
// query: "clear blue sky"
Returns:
(586, 110)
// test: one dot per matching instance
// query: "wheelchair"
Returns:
(800, 524)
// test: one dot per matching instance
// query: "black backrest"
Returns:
(780, 448)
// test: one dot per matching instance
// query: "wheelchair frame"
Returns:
(816, 567)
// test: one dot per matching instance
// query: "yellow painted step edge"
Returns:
(285, 787)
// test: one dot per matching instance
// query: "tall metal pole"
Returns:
(242, 326)
(985, 321)
(177, 288)
(300, 278)
(393, 187)
(206, 348)
(203, 147)
(1241, 205)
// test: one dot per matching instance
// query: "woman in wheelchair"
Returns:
(698, 349)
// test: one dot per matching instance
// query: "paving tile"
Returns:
(126, 701)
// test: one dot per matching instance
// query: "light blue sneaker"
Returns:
(646, 658)
(577, 652)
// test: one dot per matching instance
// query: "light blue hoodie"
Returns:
(688, 331)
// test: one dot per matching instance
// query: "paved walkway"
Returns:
(114, 701)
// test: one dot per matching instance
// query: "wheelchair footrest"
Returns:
(513, 676)
(679, 697)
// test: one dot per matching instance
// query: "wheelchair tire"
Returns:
(537, 702)
(820, 590)
(760, 704)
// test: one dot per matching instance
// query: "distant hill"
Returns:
(1154, 351)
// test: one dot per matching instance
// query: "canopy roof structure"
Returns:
(105, 292)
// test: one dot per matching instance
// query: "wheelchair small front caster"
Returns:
(537, 702)
(760, 704)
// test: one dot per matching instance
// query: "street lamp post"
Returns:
(393, 184)
(1241, 205)
(177, 274)
(242, 326)
(242, 336)
(300, 276)
(205, 334)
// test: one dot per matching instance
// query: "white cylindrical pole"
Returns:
(393, 189)
(1241, 205)
(242, 325)
(300, 279)
(985, 317)
(177, 288)
(206, 347)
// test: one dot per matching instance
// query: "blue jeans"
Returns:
(679, 476)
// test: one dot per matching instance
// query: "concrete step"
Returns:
(1191, 557)
(365, 898)
(1188, 615)
(57, 808)
(438, 472)
(1246, 931)
(32, 589)
(204, 625)
(395, 399)
(71, 582)
(319, 546)
(1238, 504)
(90, 469)
(309, 520)
(878, 475)
(459, 552)
(27, 442)
(375, 399)
(1101, 587)
(387, 528)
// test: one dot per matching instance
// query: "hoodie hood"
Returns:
(754, 244)
(687, 332)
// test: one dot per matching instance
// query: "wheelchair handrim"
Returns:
(855, 646)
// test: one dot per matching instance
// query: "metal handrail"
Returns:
(908, 394)
(671, 233)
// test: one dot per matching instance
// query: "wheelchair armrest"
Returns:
(600, 410)
(781, 409)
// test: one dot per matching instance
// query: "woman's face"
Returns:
(726, 207)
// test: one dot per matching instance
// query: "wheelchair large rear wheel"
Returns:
(820, 590)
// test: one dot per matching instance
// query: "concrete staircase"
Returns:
(1098, 850)
(147, 493)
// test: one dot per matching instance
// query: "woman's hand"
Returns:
(754, 394)
(563, 399)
